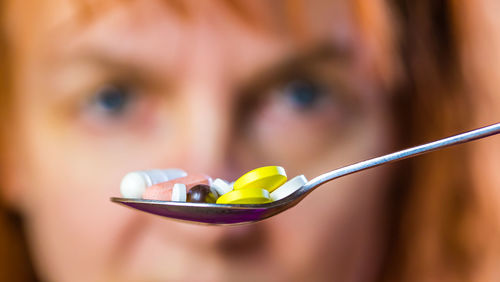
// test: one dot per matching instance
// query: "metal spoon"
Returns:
(238, 214)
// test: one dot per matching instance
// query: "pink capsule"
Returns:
(163, 191)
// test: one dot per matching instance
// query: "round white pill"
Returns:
(135, 183)
(179, 192)
(220, 186)
(288, 188)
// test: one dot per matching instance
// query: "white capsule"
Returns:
(135, 183)
(220, 186)
(179, 192)
(156, 176)
(288, 188)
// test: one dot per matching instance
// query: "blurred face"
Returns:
(207, 87)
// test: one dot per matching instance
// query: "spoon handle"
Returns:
(407, 153)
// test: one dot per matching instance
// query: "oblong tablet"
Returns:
(179, 192)
(288, 188)
(220, 186)
(158, 193)
(247, 196)
(267, 177)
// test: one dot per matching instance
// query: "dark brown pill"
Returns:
(200, 194)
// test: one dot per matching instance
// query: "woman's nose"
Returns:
(207, 131)
(205, 85)
(204, 144)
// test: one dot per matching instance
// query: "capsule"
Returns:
(163, 191)
(135, 183)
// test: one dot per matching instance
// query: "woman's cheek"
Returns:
(291, 137)
(142, 118)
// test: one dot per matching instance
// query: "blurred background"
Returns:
(91, 90)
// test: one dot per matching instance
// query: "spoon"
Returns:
(226, 214)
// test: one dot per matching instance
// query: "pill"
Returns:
(268, 177)
(250, 195)
(200, 193)
(163, 191)
(213, 191)
(158, 192)
(288, 188)
(221, 187)
(179, 192)
(135, 183)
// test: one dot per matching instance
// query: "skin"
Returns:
(209, 94)
(480, 40)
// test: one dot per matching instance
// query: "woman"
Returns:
(97, 90)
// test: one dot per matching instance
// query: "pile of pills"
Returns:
(259, 186)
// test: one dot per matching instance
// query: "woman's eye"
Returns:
(303, 94)
(114, 108)
(111, 100)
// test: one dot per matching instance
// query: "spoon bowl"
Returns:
(218, 214)
(213, 214)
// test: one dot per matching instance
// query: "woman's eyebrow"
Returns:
(75, 71)
(136, 70)
(318, 53)
(298, 61)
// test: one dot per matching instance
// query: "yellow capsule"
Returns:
(250, 196)
(267, 177)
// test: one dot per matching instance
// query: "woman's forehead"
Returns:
(58, 24)
(46, 22)
(276, 16)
